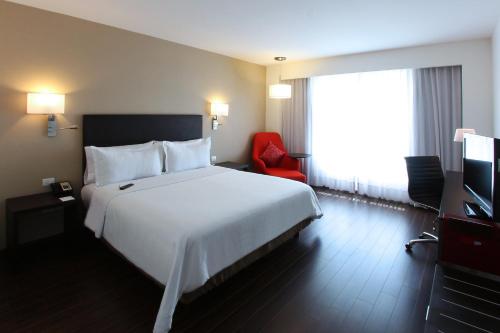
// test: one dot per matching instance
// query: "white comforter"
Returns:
(185, 227)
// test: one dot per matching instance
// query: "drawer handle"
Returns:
(477, 243)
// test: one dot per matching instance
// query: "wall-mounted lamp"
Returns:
(459, 133)
(216, 110)
(49, 104)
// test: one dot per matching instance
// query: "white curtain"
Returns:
(361, 132)
(296, 120)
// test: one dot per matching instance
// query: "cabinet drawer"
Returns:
(40, 224)
(475, 248)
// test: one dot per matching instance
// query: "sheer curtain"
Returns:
(361, 132)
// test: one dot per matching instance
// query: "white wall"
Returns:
(474, 56)
(496, 79)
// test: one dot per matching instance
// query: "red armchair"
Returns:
(288, 167)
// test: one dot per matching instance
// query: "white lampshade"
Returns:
(219, 109)
(280, 91)
(45, 103)
(459, 133)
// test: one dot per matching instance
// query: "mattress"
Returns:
(183, 228)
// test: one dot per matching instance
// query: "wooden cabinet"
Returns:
(34, 211)
(463, 241)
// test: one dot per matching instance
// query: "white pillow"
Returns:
(118, 165)
(161, 150)
(89, 175)
(185, 155)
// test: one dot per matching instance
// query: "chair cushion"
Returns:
(272, 155)
(287, 173)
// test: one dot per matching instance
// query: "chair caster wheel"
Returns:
(408, 247)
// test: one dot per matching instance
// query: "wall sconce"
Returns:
(216, 110)
(49, 104)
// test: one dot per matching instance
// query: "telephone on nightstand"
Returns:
(62, 189)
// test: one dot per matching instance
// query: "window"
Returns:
(361, 132)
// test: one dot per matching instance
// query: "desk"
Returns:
(463, 241)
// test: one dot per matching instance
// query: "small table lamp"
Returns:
(459, 133)
(49, 104)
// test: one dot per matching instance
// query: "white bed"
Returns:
(183, 228)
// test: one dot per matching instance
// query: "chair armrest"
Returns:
(290, 163)
(259, 165)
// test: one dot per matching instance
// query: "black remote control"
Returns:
(124, 187)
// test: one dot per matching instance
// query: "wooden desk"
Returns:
(463, 241)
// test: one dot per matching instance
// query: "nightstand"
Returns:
(233, 165)
(35, 209)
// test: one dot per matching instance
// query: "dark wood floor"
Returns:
(348, 272)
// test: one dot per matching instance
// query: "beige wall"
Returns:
(474, 56)
(496, 78)
(107, 70)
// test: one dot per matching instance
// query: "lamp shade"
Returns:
(219, 109)
(459, 133)
(280, 91)
(45, 103)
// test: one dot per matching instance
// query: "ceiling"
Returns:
(258, 30)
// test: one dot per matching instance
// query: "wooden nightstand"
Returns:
(233, 165)
(37, 208)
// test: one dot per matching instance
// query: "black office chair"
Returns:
(425, 187)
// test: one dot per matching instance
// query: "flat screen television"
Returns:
(480, 161)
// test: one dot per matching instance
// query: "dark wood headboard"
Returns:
(120, 129)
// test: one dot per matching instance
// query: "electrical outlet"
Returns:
(213, 159)
(48, 181)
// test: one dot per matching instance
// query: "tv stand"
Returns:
(473, 210)
(472, 243)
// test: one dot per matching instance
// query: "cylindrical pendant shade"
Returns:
(280, 91)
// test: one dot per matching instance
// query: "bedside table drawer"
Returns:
(40, 224)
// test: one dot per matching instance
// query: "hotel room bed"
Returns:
(188, 230)
(183, 228)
